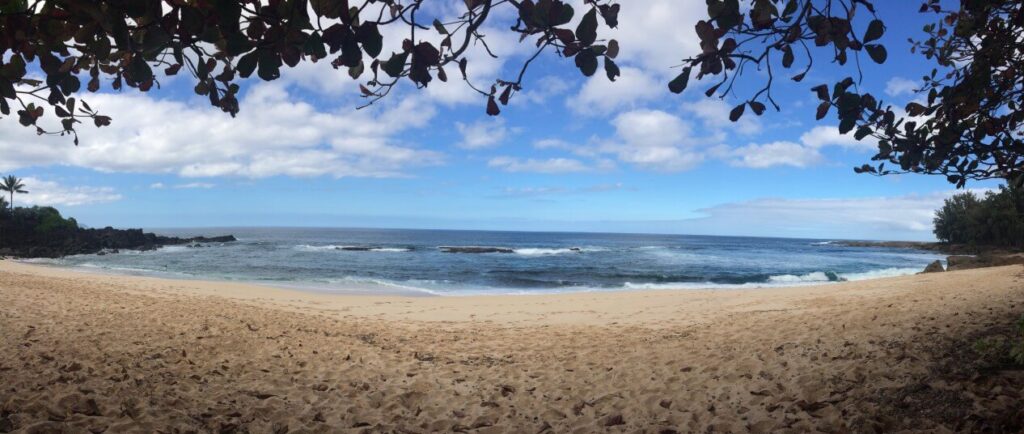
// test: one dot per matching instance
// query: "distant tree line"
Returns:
(994, 219)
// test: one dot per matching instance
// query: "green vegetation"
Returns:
(37, 221)
(995, 219)
(12, 184)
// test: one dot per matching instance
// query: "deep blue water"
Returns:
(412, 261)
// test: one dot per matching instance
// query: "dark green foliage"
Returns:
(126, 43)
(969, 122)
(997, 219)
(41, 231)
(38, 224)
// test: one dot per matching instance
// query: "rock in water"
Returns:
(934, 267)
(834, 277)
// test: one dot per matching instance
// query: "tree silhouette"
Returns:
(969, 127)
(12, 185)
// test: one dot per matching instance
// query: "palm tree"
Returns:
(12, 184)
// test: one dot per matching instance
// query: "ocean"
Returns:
(445, 262)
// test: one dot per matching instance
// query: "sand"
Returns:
(87, 352)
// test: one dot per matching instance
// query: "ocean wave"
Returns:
(816, 276)
(884, 272)
(539, 251)
(823, 243)
(366, 284)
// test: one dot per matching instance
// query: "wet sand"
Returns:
(92, 353)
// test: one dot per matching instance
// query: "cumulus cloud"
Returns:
(657, 34)
(897, 86)
(653, 139)
(828, 135)
(714, 113)
(806, 153)
(273, 135)
(600, 96)
(772, 154)
(51, 193)
(482, 134)
(549, 165)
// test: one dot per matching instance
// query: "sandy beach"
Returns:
(101, 353)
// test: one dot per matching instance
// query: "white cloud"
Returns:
(600, 96)
(895, 217)
(653, 139)
(274, 134)
(191, 185)
(482, 134)
(772, 154)
(786, 153)
(550, 165)
(897, 86)
(50, 193)
(542, 89)
(157, 185)
(714, 113)
(516, 192)
(657, 34)
(828, 135)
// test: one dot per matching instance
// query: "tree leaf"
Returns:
(875, 31)
(678, 84)
(492, 106)
(877, 52)
(586, 31)
(370, 37)
(787, 56)
(586, 61)
(613, 49)
(736, 112)
(440, 27)
(822, 91)
(247, 64)
(822, 110)
(757, 107)
(846, 124)
(396, 64)
(611, 69)
(269, 67)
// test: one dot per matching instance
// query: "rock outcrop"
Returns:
(41, 232)
(934, 267)
(963, 262)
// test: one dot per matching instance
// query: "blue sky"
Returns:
(570, 153)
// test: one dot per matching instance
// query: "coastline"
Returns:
(84, 351)
(627, 304)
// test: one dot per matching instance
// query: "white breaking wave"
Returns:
(823, 243)
(885, 272)
(817, 276)
(813, 278)
(310, 248)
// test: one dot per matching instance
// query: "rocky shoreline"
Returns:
(93, 241)
(961, 256)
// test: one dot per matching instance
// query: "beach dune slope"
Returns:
(95, 353)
